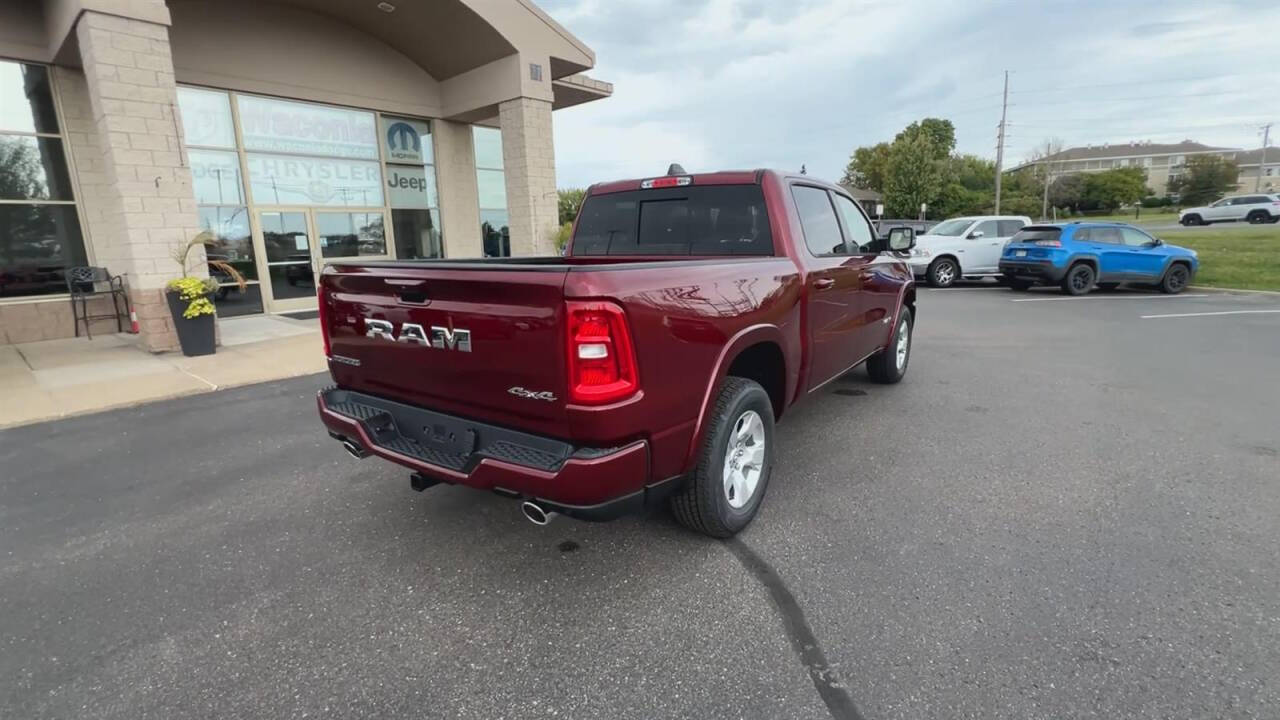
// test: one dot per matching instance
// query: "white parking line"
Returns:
(1206, 314)
(1111, 297)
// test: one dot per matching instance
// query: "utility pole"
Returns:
(1262, 162)
(1004, 107)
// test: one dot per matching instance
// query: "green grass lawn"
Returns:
(1161, 215)
(1245, 259)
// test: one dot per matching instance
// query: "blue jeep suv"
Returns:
(1076, 256)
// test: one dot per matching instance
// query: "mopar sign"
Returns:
(406, 141)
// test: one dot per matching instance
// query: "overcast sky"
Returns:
(718, 84)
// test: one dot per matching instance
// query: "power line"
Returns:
(1127, 83)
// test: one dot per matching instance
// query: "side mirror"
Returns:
(1156, 242)
(902, 239)
(976, 234)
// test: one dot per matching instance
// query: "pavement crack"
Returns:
(825, 680)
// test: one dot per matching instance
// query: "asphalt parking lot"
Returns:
(1068, 509)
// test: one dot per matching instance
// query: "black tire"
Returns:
(1078, 280)
(1176, 279)
(1108, 286)
(1257, 217)
(1019, 284)
(943, 272)
(702, 504)
(1190, 220)
(883, 366)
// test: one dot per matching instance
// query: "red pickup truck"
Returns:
(648, 364)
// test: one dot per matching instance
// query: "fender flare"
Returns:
(744, 338)
(897, 312)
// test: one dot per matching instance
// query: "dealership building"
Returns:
(294, 132)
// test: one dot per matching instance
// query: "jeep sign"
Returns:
(411, 187)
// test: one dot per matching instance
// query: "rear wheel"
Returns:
(943, 272)
(734, 463)
(1078, 280)
(1175, 279)
(1257, 217)
(890, 364)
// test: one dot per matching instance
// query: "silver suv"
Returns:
(1257, 208)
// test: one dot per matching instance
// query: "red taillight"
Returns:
(321, 303)
(602, 360)
(1048, 243)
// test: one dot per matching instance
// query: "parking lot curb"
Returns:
(1232, 290)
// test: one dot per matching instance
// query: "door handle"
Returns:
(823, 284)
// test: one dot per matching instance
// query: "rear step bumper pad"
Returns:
(587, 483)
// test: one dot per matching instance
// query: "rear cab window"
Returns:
(688, 220)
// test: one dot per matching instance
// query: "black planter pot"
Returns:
(196, 335)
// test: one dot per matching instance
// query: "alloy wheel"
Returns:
(744, 459)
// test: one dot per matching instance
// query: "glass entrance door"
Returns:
(291, 266)
(297, 242)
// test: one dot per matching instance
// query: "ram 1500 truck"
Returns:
(647, 364)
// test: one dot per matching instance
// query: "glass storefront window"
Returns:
(417, 233)
(33, 168)
(495, 233)
(285, 126)
(233, 242)
(351, 234)
(26, 101)
(491, 184)
(295, 180)
(37, 244)
(215, 175)
(488, 144)
(206, 118)
(40, 234)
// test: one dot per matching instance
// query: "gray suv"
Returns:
(1257, 208)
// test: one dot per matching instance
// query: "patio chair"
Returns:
(85, 283)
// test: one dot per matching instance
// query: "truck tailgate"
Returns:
(482, 343)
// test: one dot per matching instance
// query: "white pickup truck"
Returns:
(967, 247)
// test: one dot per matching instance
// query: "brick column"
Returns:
(529, 160)
(145, 202)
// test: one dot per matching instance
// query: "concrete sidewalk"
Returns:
(56, 378)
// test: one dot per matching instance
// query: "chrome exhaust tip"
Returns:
(536, 513)
(354, 450)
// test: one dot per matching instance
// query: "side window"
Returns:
(861, 239)
(818, 219)
(1108, 235)
(1009, 227)
(1135, 238)
(1082, 235)
(988, 228)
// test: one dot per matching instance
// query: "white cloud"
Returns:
(718, 84)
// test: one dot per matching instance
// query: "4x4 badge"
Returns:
(532, 394)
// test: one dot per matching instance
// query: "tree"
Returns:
(968, 183)
(1047, 165)
(570, 200)
(1207, 178)
(1066, 191)
(941, 134)
(913, 175)
(1112, 188)
(867, 166)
